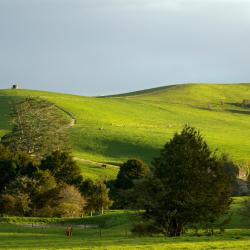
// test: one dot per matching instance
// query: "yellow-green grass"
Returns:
(115, 234)
(113, 129)
(98, 172)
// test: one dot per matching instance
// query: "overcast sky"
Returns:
(97, 47)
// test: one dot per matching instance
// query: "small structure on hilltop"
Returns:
(15, 86)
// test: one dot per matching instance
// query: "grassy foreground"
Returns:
(115, 235)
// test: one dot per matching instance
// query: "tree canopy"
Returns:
(188, 185)
(63, 167)
(130, 172)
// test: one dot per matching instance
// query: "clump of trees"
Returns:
(97, 195)
(63, 168)
(130, 172)
(31, 189)
(39, 176)
(188, 184)
(52, 187)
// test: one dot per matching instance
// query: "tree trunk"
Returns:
(175, 228)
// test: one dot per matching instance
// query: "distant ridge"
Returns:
(145, 91)
(164, 87)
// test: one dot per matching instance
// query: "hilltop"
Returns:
(115, 128)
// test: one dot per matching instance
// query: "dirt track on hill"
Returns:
(72, 117)
(96, 163)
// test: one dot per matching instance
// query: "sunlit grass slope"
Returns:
(114, 128)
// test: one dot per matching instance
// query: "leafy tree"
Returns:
(129, 172)
(25, 164)
(8, 167)
(14, 164)
(39, 127)
(43, 192)
(88, 189)
(232, 171)
(28, 195)
(102, 199)
(71, 203)
(188, 185)
(15, 204)
(8, 204)
(17, 197)
(97, 195)
(63, 167)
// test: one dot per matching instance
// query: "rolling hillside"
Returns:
(114, 128)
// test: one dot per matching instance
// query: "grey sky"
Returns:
(94, 47)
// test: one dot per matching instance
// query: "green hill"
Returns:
(137, 124)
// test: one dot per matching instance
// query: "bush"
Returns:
(71, 203)
(246, 103)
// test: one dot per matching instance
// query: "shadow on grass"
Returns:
(125, 149)
(120, 149)
(237, 111)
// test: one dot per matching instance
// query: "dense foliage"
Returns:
(97, 195)
(53, 187)
(62, 167)
(129, 172)
(189, 185)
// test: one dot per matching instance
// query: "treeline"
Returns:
(38, 174)
(52, 187)
(187, 185)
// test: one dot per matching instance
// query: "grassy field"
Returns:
(115, 128)
(95, 171)
(115, 234)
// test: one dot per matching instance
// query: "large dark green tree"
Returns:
(8, 167)
(13, 165)
(130, 172)
(232, 171)
(188, 185)
(39, 127)
(88, 190)
(63, 167)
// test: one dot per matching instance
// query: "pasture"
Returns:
(114, 234)
(138, 124)
(113, 129)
